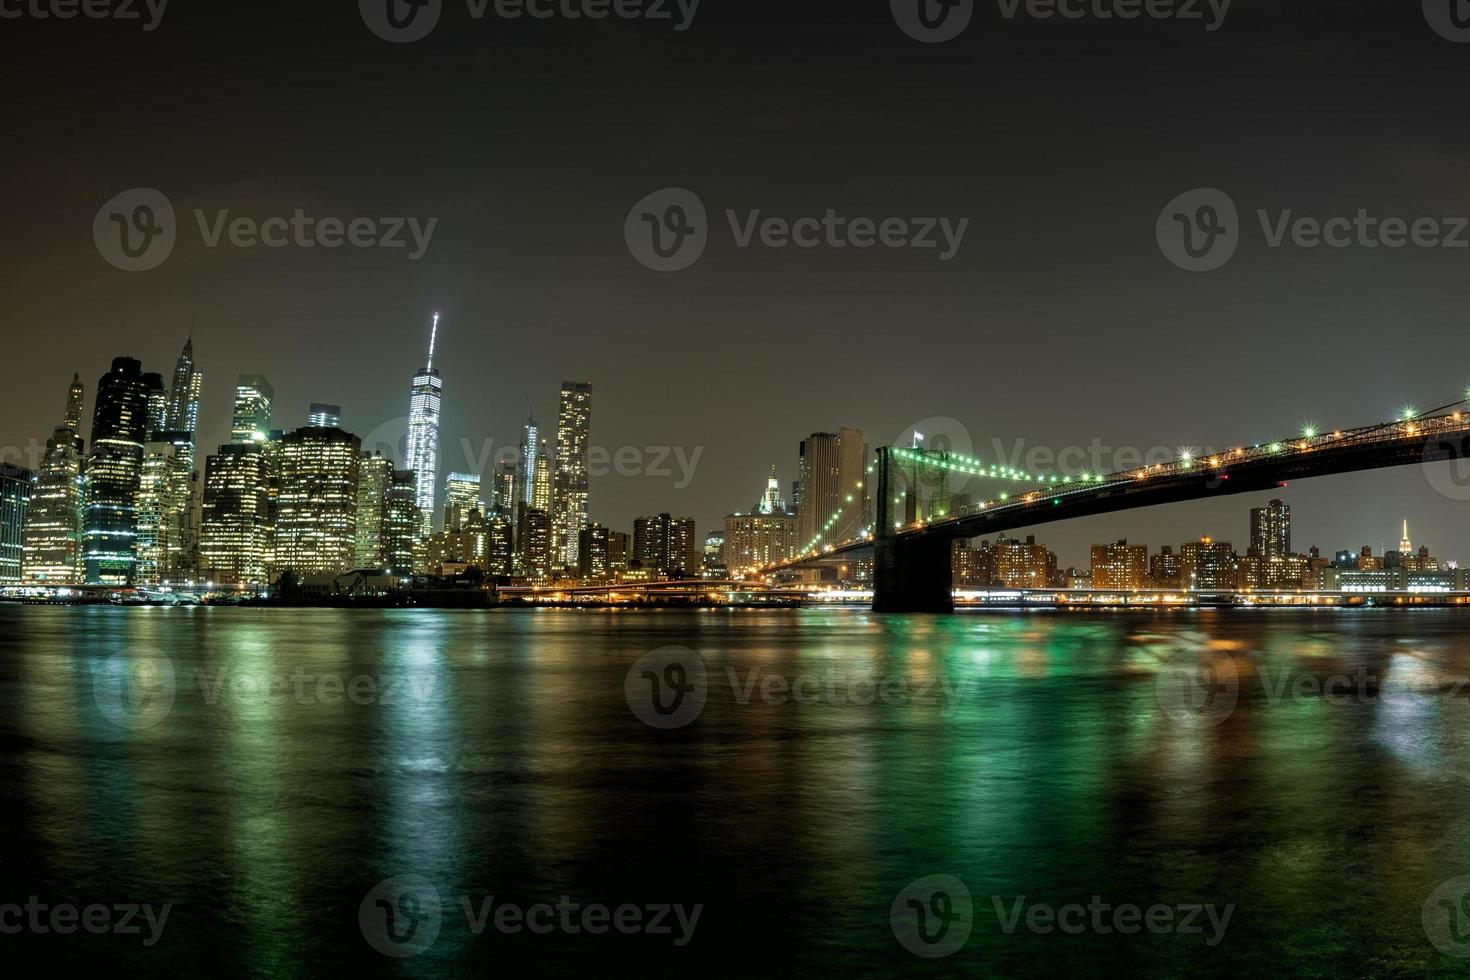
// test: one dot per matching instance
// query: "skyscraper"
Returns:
(401, 522)
(375, 475)
(569, 495)
(1406, 547)
(183, 398)
(53, 551)
(15, 494)
(461, 495)
(541, 484)
(424, 407)
(323, 416)
(1271, 530)
(160, 521)
(235, 532)
(114, 472)
(530, 446)
(820, 461)
(251, 421)
(316, 517)
(503, 495)
(180, 426)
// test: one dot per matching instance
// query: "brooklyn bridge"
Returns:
(916, 520)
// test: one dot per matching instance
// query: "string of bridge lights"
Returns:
(974, 466)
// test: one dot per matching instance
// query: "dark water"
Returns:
(1050, 756)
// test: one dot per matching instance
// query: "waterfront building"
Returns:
(592, 554)
(499, 544)
(974, 567)
(570, 486)
(374, 476)
(160, 514)
(316, 519)
(535, 547)
(666, 545)
(15, 495)
(820, 457)
(530, 450)
(1207, 565)
(541, 484)
(503, 494)
(114, 473)
(1164, 569)
(619, 551)
(401, 522)
(755, 541)
(424, 409)
(235, 528)
(53, 530)
(1024, 564)
(1119, 567)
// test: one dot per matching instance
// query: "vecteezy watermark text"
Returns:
(64, 919)
(1200, 230)
(149, 12)
(137, 230)
(668, 231)
(1105, 918)
(403, 916)
(937, 21)
(403, 21)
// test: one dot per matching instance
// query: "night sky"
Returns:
(1059, 322)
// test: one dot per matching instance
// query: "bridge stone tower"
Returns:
(914, 573)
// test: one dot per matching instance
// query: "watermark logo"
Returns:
(135, 231)
(1203, 693)
(1447, 917)
(401, 916)
(933, 917)
(41, 918)
(668, 230)
(1106, 918)
(933, 21)
(134, 690)
(401, 21)
(1447, 466)
(1449, 18)
(667, 688)
(1199, 230)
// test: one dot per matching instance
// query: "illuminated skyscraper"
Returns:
(183, 397)
(401, 522)
(252, 419)
(15, 494)
(323, 416)
(159, 514)
(461, 495)
(114, 473)
(53, 551)
(541, 484)
(423, 433)
(526, 477)
(1271, 530)
(316, 513)
(180, 426)
(504, 491)
(820, 458)
(1406, 547)
(375, 475)
(157, 404)
(569, 494)
(235, 532)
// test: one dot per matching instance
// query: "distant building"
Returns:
(667, 545)
(1119, 567)
(619, 551)
(461, 495)
(235, 536)
(323, 416)
(1163, 569)
(535, 545)
(570, 484)
(592, 561)
(1271, 530)
(1207, 565)
(374, 477)
(15, 495)
(1024, 564)
(401, 522)
(974, 567)
(53, 537)
(755, 541)
(316, 519)
(251, 421)
(114, 473)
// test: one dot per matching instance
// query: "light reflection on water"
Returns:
(495, 754)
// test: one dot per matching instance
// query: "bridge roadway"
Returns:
(912, 570)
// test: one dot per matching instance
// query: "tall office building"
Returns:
(251, 421)
(530, 449)
(1271, 530)
(183, 397)
(160, 514)
(535, 545)
(1406, 546)
(401, 522)
(756, 541)
(424, 407)
(569, 494)
(375, 476)
(320, 415)
(541, 484)
(316, 514)
(180, 426)
(592, 553)
(1208, 565)
(853, 512)
(499, 547)
(53, 549)
(503, 494)
(461, 495)
(235, 530)
(114, 473)
(819, 463)
(666, 545)
(157, 403)
(15, 495)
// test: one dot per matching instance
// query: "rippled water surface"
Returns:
(263, 771)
